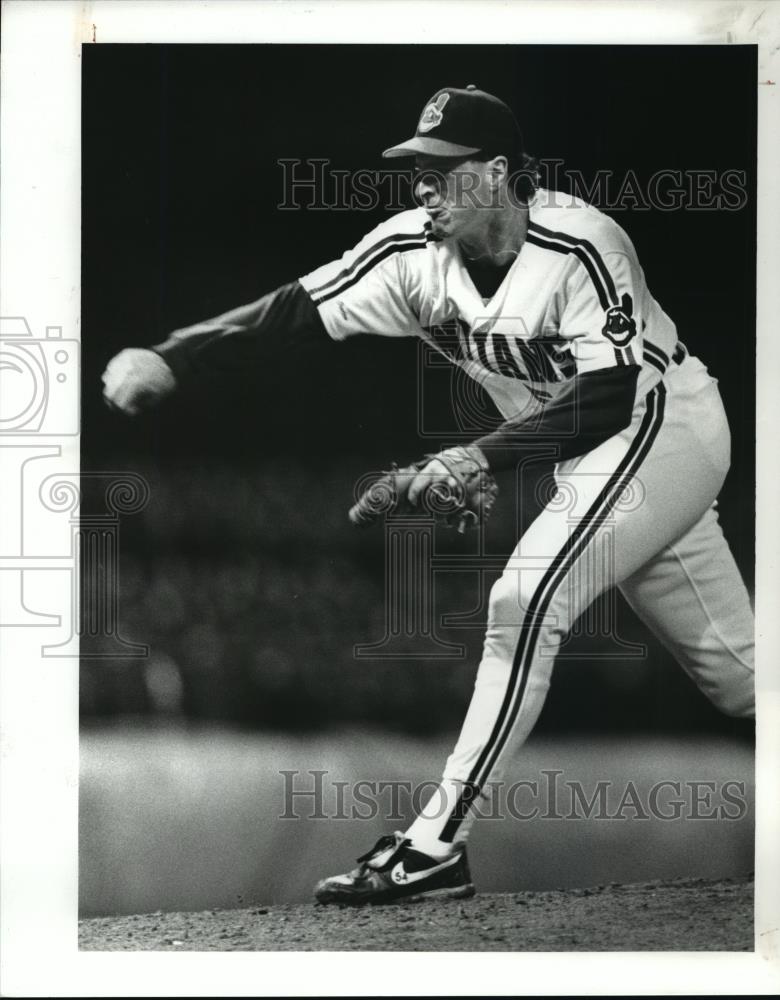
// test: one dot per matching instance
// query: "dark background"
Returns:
(242, 573)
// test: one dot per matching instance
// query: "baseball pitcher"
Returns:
(541, 299)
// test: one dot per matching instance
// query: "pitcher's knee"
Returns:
(736, 698)
(510, 597)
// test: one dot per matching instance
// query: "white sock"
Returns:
(425, 830)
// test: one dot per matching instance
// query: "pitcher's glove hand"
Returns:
(456, 486)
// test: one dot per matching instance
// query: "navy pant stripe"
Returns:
(555, 574)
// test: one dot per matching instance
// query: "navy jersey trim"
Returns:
(349, 276)
(586, 252)
(593, 262)
(551, 581)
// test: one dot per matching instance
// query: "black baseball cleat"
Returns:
(393, 870)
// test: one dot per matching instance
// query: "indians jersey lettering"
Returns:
(574, 300)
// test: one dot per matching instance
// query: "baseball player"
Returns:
(541, 299)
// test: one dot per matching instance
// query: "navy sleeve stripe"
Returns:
(655, 362)
(658, 354)
(583, 255)
(578, 243)
(368, 259)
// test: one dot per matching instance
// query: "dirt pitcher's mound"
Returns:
(689, 915)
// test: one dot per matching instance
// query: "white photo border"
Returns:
(40, 274)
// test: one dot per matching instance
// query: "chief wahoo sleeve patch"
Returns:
(620, 326)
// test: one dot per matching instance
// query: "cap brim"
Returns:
(422, 145)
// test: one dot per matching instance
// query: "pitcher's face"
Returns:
(456, 194)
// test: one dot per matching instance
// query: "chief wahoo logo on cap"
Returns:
(432, 115)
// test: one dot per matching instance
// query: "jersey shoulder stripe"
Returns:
(585, 251)
(369, 258)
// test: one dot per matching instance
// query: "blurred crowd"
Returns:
(251, 591)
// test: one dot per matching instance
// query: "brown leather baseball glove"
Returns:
(456, 486)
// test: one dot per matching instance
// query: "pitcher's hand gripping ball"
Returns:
(456, 486)
(135, 380)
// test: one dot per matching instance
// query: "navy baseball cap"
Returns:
(458, 122)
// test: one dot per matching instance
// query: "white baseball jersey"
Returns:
(574, 300)
(635, 510)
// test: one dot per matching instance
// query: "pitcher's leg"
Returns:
(504, 681)
(511, 684)
(532, 607)
(693, 598)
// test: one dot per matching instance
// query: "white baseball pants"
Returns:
(638, 512)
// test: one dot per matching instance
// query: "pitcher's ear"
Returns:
(497, 169)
